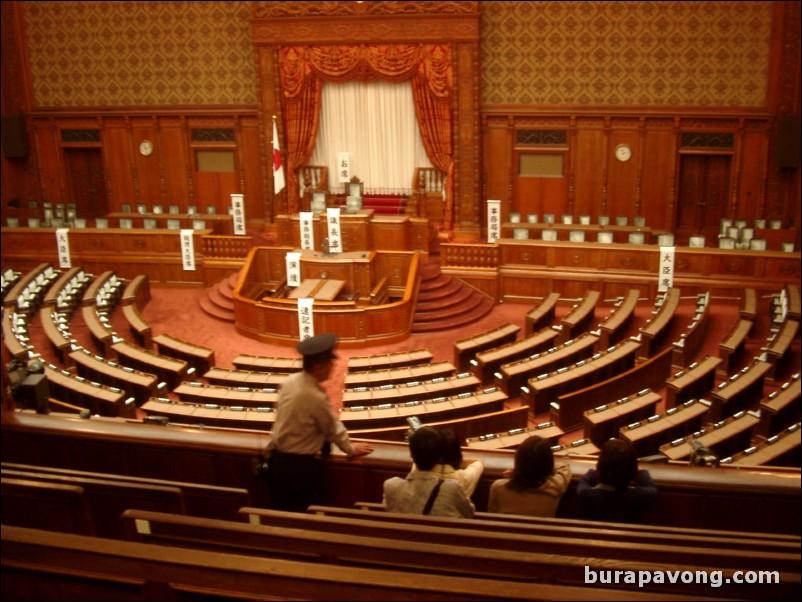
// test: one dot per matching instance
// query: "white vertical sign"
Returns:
(293, 269)
(307, 230)
(63, 246)
(333, 229)
(306, 318)
(493, 220)
(666, 269)
(238, 213)
(344, 168)
(188, 250)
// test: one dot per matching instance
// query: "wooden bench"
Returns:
(540, 392)
(507, 419)
(690, 342)
(654, 332)
(107, 498)
(603, 422)
(430, 410)
(731, 348)
(100, 399)
(724, 438)
(400, 374)
(693, 382)
(613, 328)
(198, 357)
(780, 409)
(486, 363)
(140, 329)
(56, 507)
(466, 349)
(542, 315)
(387, 361)
(267, 364)
(579, 319)
(35, 565)
(169, 369)
(200, 499)
(244, 378)
(781, 449)
(646, 436)
(512, 376)
(411, 391)
(536, 526)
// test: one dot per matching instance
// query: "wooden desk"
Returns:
(402, 374)
(427, 390)
(466, 349)
(741, 391)
(732, 347)
(386, 361)
(545, 430)
(648, 435)
(245, 378)
(140, 385)
(168, 369)
(200, 358)
(613, 328)
(318, 288)
(603, 422)
(655, 329)
(777, 450)
(579, 319)
(694, 382)
(723, 438)
(100, 399)
(781, 408)
(777, 351)
(485, 364)
(542, 315)
(259, 363)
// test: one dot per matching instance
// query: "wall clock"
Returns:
(623, 152)
(146, 148)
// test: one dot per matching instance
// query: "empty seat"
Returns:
(80, 222)
(126, 223)
(549, 234)
(149, 223)
(515, 218)
(733, 232)
(636, 238)
(757, 244)
(639, 221)
(787, 247)
(724, 224)
(192, 209)
(776, 224)
(174, 209)
(173, 224)
(584, 220)
(726, 242)
(621, 220)
(211, 210)
(57, 222)
(760, 224)
(548, 218)
(747, 234)
(665, 240)
(318, 202)
(696, 242)
(125, 208)
(12, 222)
(141, 209)
(567, 219)
(158, 209)
(740, 223)
(198, 224)
(520, 233)
(101, 222)
(531, 218)
(607, 237)
(576, 236)
(604, 220)
(33, 222)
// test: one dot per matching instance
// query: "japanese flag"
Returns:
(278, 168)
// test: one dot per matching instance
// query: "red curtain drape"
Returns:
(302, 69)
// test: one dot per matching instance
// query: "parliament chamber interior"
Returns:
(586, 227)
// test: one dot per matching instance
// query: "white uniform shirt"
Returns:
(305, 418)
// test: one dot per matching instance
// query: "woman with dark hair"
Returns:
(616, 491)
(535, 486)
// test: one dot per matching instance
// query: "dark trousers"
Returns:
(295, 481)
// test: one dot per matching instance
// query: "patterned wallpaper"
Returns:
(678, 53)
(140, 53)
(625, 53)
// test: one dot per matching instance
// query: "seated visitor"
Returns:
(423, 491)
(616, 490)
(453, 466)
(535, 485)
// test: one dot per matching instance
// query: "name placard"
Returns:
(333, 229)
(306, 318)
(666, 277)
(307, 230)
(63, 246)
(188, 250)
(493, 220)
(293, 261)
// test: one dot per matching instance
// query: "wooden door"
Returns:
(86, 181)
(703, 192)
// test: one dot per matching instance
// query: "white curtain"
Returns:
(375, 123)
